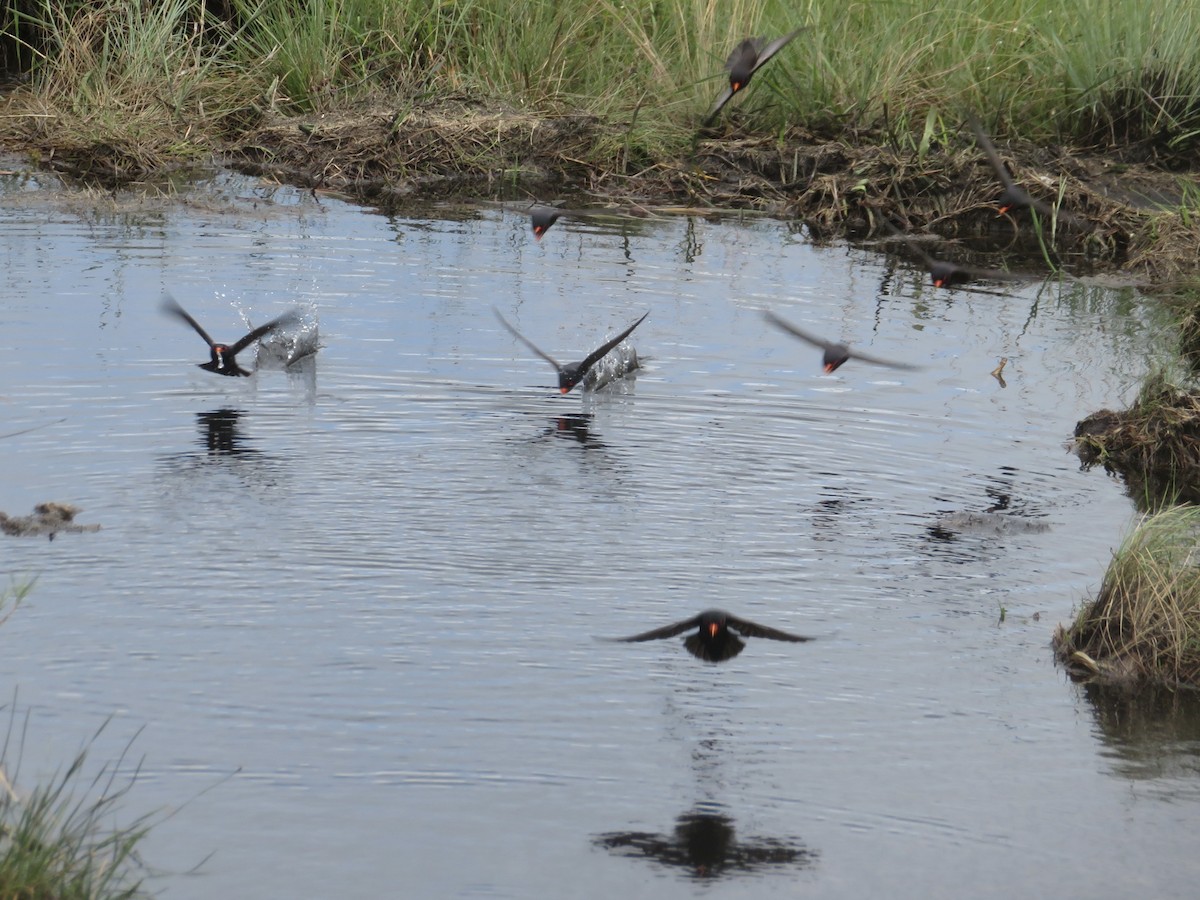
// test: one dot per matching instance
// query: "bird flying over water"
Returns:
(747, 58)
(835, 353)
(572, 373)
(717, 635)
(223, 356)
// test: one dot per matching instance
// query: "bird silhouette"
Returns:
(947, 274)
(835, 353)
(717, 635)
(747, 58)
(223, 356)
(572, 373)
(1014, 196)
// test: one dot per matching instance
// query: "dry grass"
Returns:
(1144, 625)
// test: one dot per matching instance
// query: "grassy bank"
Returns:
(1144, 625)
(864, 111)
(1100, 72)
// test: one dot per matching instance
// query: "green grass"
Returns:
(1100, 71)
(1145, 622)
(57, 845)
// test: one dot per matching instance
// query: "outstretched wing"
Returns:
(592, 358)
(665, 632)
(993, 158)
(726, 96)
(173, 308)
(876, 361)
(774, 47)
(524, 340)
(288, 318)
(752, 629)
(796, 332)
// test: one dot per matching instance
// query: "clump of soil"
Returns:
(1144, 625)
(1154, 445)
(48, 519)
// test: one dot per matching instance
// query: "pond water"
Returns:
(347, 614)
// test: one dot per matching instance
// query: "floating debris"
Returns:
(48, 519)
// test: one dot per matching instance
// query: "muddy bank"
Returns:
(835, 186)
(1127, 212)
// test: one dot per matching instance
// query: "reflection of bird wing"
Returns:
(524, 340)
(751, 629)
(287, 318)
(929, 261)
(169, 305)
(599, 352)
(774, 47)
(665, 632)
(796, 332)
(875, 360)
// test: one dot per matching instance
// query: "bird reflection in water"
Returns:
(705, 844)
(219, 432)
(574, 426)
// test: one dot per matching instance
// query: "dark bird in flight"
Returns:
(715, 639)
(542, 217)
(1014, 196)
(572, 373)
(747, 58)
(223, 356)
(947, 274)
(835, 353)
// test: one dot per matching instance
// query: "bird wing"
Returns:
(725, 97)
(774, 47)
(993, 158)
(752, 629)
(665, 632)
(597, 354)
(991, 274)
(169, 305)
(286, 319)
(875, 360)
(524, 340)
(796, 332)
(929, 261)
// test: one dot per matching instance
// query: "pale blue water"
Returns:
(361, 650)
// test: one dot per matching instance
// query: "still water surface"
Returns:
(353, 608)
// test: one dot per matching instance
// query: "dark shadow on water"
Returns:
(225, 448)
(704, 844)
(1149, 732)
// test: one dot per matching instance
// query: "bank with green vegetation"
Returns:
(1095, 104)
(1144, 624)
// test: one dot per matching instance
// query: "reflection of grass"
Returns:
(1145, 622)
